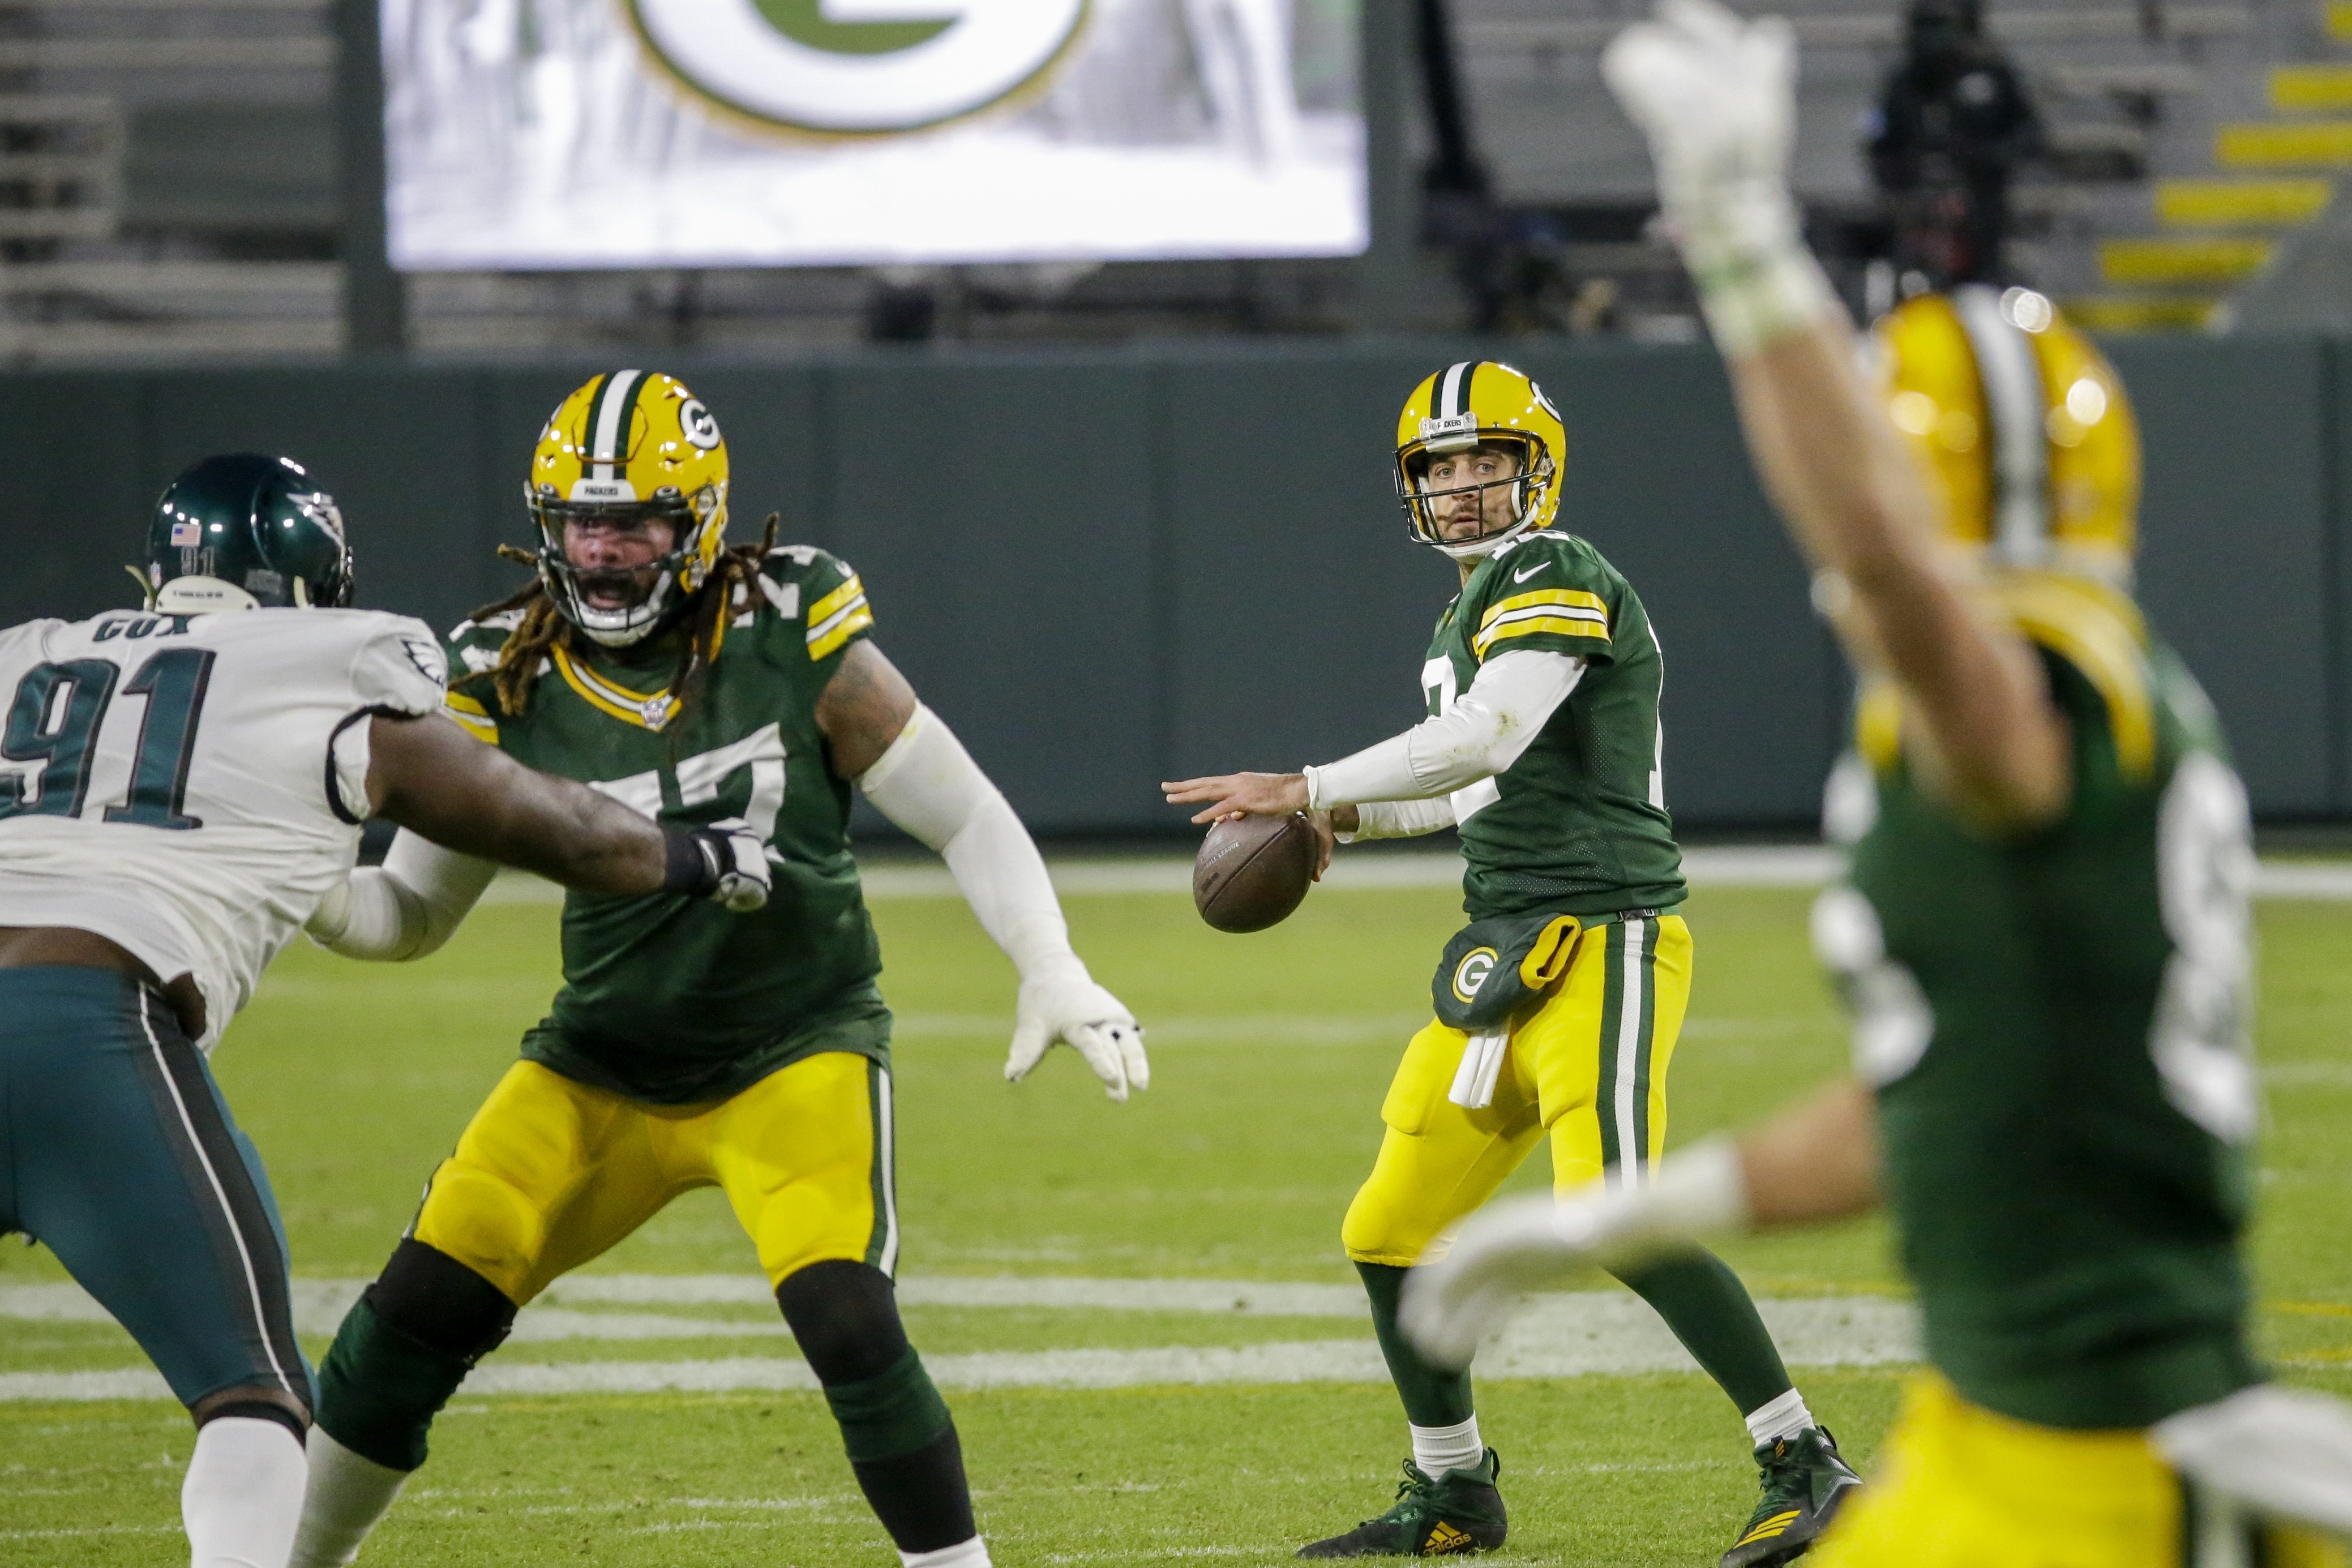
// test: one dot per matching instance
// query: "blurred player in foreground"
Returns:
(2045, 934)
(1559, 1007)
(691, 681)
(180, 784)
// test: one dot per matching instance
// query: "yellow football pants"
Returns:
(550, 1173)
(1959, 1487)
(1589, 1067)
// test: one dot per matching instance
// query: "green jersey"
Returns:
(670, 999)
(1578, 825)
(2057, 1028)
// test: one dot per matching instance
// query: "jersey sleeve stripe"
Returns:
(835, 618)
(462, 703)
(482, 730)
(853, 589)
(1556, 625)
(1569, 598)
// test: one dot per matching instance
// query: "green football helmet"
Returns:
(246, 532)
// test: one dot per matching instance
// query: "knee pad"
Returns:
(403, 1351)
(439, 1302)
(845, 1317)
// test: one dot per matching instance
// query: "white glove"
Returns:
(1065, 1007)
(738, 862)
(1716, 97)
(1455, 1298)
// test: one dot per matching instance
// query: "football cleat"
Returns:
(1458, 1512)
(1805, 1484)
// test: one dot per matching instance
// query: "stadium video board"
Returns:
(528, 134)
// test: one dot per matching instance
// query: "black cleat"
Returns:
(1805, 1484)
(1459, 1512)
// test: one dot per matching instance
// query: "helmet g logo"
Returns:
(701, 431)
(854, 68)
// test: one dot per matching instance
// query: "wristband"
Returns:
(691, 867)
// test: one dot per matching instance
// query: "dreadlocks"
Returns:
(543, 628)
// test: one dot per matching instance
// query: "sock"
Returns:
(348, 1495)
(973, 1554)
(1784, 1417)
(243, 1493)
(1437, 1449)
(1710, 1312)
(1434, 1395)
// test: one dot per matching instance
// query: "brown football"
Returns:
(1252, 872)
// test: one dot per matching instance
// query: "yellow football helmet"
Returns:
(2023, 424)
(629, 446)
(1480, 403)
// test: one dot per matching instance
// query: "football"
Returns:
(1252, 872)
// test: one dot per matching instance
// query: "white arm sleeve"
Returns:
(928, 785)
(1482, 734)
(1399, 818)
(404, 907)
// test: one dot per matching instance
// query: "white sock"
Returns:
(243, 1494)
(1437, 1449)
(973, 1554)
(1784, 1417)
(348, 1494)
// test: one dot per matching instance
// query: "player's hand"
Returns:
(1326, 840)
(1240, 794)
(1501, 1253)
(1715, 95)
(1067, 1007)
(738, 860)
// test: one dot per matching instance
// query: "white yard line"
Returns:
(1568, 1335)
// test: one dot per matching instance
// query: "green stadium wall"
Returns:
(1111, 566)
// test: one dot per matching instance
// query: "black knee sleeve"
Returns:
(439, 1301)
(258, 1410)
(845, 1317)
(405, 1346)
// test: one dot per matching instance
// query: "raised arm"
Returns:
(916, 772)
(1716, 98)
(431, 777)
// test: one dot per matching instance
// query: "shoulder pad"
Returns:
(2100, 633)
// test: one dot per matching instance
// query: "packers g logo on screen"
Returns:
(855, 67)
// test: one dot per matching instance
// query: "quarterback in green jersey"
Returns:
(2043, 929)
(1559, 1005)
(701, 686)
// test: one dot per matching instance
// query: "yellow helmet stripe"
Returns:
(608, 421)
(2020, 458)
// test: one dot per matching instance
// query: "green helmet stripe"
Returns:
(609, 413)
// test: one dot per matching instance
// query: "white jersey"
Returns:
(191, 787)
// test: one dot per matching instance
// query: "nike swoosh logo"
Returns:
(1523, 576)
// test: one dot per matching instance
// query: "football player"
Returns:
(692, 681)
(2042, 933)
(1559, 1005)
(180, 784)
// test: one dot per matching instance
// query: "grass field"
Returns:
(1195, 1411)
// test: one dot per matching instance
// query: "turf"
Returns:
(1270, 1056)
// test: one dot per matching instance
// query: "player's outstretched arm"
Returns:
(1716, 96)
(1511, 699)
(430, 776)
(1816, 1161)
(917, 774)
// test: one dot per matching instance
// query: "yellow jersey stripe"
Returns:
(465, 704)
(482, 730)
(646, 713)
(838, 599)
(826, 637)
(1572, 598)
(1519, 626)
